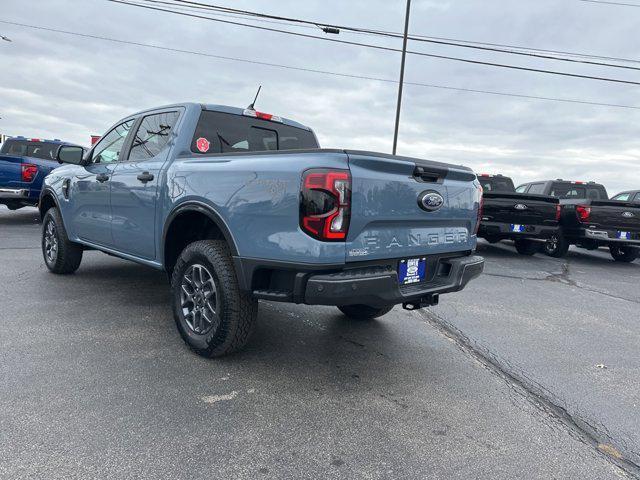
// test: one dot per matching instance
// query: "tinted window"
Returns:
(496, 184)
(568, 191)
(536, 188)
(152, 135)
(108, 149)
(43, 150)
(521, 188)
(637, 199)
(595, 194)
(224, 132)
(623, 197)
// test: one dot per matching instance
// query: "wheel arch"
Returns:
(47, 200)
(174, 240)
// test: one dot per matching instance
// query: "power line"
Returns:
(379, 47)
(611, 3)
(314, 26)
(312, 70)
(536, 53)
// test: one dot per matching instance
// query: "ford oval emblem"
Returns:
(520, 206)
(628, 214)
(430, 201)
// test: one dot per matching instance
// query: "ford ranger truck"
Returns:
(24, 162)
(239, 205)
(590, 220)
(527, 219)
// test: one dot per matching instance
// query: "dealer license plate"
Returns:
(412, 270)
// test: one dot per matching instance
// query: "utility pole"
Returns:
(404, 54)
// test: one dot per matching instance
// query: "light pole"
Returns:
(404, 54)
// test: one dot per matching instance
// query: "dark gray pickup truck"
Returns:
(527, 219)
(590, 220)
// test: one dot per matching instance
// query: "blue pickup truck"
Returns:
(239, 205)
(24, 162)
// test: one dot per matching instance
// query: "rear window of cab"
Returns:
(27, 148)
(219, 132)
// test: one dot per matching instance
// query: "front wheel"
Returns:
(364, 312)
(214, 317)
(624, 254)
(527, 247)
(61, 255)
(556, 246)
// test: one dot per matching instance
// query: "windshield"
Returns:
(224, 132)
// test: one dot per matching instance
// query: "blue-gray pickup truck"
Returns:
(238, 205)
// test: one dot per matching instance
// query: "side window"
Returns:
(623, 197)
(637, 199)
(536, 188)
(108, 149)
(521, 188)
(152, 135)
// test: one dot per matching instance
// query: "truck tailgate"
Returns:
(615, 215)
(386, 219)
(10, 171)
(519, 208)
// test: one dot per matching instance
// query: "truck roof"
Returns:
(223, 109)
(44, 140)
(571, 182)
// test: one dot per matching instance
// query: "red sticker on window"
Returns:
(203, 145)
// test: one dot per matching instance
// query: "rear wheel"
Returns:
(527, 247)
(364, 312)
(556, 246)
(61, 255)
(214, 317)
(624, 254)
(491, 239)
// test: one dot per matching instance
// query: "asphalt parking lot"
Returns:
(531, 372)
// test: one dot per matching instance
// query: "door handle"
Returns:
(102, 177)
(145, 177)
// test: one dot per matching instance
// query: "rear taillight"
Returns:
(325, 204)
(558, 212)
(29, 172)
(480, 201)
(583, 212)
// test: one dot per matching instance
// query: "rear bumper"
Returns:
(503, 231)
(378, 286)
(372, 283)
(607, 237)
(14, 193)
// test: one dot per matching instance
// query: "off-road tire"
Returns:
(68, 254)
(527, 247)
(238, 310)
(364, 312)
(624, 254)
(557, 246)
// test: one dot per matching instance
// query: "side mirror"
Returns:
(70, 154)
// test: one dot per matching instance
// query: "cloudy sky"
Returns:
(64, 86)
